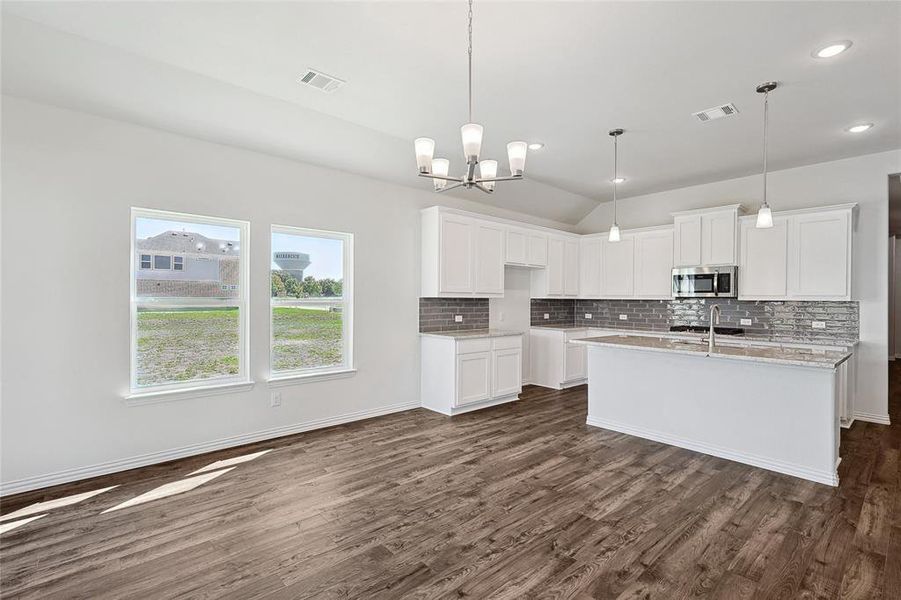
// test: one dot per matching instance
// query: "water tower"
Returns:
(292, 263)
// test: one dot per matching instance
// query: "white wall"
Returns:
(863, 179)
(513, 311)
(69, 180)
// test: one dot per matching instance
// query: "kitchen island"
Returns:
(771, 407)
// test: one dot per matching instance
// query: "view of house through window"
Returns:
(311, 300)
(188, 300)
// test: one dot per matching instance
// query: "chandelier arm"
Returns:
(493, 179)
(483, 188)
(450, 187)
(441, 177)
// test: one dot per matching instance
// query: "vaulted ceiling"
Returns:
(556, 72)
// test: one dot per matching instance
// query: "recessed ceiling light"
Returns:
(618, 180)
(536, 146)
(860, 128)
(831, 49)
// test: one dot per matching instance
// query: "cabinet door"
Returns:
(456, 254)
(590, 268)
(537, 249)
(654, 264)
(687, 241)
(507, 372)
(473, 377)
(820, 256)
(718, 238)
(618, 267)
(764, 260)
(489, 258)
(574, 362)
(571, 268)
(516, 247)
(555, 266)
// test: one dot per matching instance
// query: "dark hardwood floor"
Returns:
(517, 501)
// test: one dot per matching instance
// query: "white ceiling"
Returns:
(555, 72)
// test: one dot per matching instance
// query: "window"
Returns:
(188, 327)
(311, 302)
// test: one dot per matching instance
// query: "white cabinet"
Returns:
(555, 266)
(561, 276)
(590, 267)
(763, 272)
(555, 361)
(537, 246)
(571, 268)
(574, 362)
(489, 259)
(806, 255)
(706, 237)
(461, 256)
(516, 250)
(618, 267)
(463, 374)
(654, 264)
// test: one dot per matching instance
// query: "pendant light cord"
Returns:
(615, 172)
(469, 51)
(766, 111)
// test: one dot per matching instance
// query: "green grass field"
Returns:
(199, 344)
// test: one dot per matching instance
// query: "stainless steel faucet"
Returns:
(714, 320)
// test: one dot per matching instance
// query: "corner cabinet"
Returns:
(638, 266)
(560, 278)
(706, 237)
(525, 248)
(461, 374)
(806, 255)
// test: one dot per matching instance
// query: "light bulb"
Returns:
(471, 133)
(440, 166)
(488, 170)
(425, 149)
(614, 233)
(516, 154)
(764, 217)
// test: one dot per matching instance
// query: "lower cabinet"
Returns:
(460, 374)
(556, 362)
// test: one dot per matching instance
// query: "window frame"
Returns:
(347, 292)
(141, 266)
(176, 257)
(242, 302)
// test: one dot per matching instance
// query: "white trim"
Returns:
(158, 396)
(778, 466)
(459, 410)
(41, 481)
(300, 378)
(881, 418)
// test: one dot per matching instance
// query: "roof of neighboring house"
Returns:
(186, 242)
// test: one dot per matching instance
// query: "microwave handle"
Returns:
(716, 283)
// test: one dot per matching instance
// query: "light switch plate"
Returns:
(458, 318)
(818, 324)
(746, 322)
(624, 317)
(587, 315)
(546, 316)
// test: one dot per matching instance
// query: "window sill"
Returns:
(310, 377)
(142, 398)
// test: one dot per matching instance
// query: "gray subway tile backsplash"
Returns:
(437, 314)
(780, 321)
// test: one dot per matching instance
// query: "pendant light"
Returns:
(471, 136)
(765, 215)
(614, 229)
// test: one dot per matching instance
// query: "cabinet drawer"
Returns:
(470, 346)
(507, 343)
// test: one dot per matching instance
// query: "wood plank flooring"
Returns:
(517, 501)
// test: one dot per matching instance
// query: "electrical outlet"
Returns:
(818, 324)
(275, 399)
(746, 322)
(500, 316)
(546, 316)
(624, 317)
(587, 315)
(458, 318)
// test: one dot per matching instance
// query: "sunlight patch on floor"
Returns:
(13, 524)
(229, 462)
(169, 489)
(51, 504)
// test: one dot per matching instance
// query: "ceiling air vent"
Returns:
(321, 81)
(717, 112)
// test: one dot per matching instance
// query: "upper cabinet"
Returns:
(654, 264)
(806, 255)
(461, 256)
(560, 277)
(706, 237)
(638, 266)
(525, 248)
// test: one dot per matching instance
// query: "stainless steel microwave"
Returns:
(705, 282)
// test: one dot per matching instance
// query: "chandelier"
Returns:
(437, 169)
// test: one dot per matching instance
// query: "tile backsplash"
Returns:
(437, 314)
(780, 321)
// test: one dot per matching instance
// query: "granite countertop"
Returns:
(472, 334)
(559, 327)
(728, 349)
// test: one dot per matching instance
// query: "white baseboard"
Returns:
(880, 418)
(41, 481)
(453, 411)
(786, 468)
